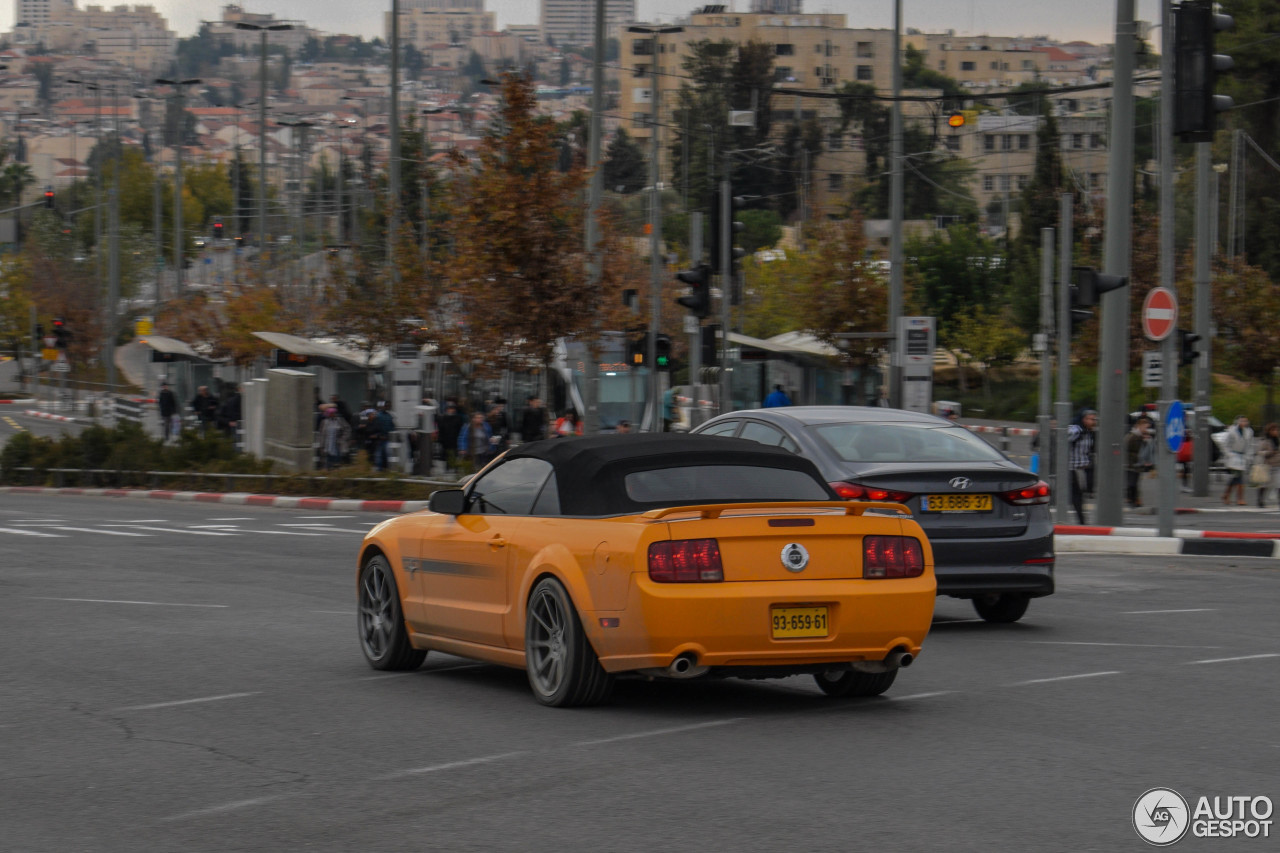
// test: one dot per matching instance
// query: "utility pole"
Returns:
(393, 166)
(180, 86)
(262, 30)
(1046, 335)
(895, 211)
(1201, 448)
(1165, 461)
(595, 193)
(1113, 368)
(113, 279)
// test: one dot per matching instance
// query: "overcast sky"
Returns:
(1066, 20)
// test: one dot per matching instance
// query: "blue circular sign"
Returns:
(1175, 426)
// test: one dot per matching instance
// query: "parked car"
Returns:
(581, 560)
(986, 517)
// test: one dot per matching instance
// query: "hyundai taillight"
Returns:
(685, 561)
(1037, 494)
(892, 557)
(858, 492)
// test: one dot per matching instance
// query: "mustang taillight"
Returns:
(1037, 494)
(686, 561)
(892, 557)
(858, 492)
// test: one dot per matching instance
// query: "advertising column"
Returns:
(915, 342)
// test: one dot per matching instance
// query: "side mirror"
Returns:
(448, 501)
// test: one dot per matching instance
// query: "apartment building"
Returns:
(425, 23)
(225, 29)
(134, 36)
(572, 22)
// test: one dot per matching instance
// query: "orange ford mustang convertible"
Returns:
(662, 556)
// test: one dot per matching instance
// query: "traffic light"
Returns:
(736, 253)
(61, 333)
(1081, 312)
(955, 119)
(217, 229)
(1195, 70)
(39, 340)
(663, 352)
(636, 350)
(48, 198)
(699, 299)
(1188, 352)
(1090, 284)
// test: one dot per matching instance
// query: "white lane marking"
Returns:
(95, 530)
(326, 528)
(149, 521)
(451, 765)
(283, 532)
(1067, 677)
(1229, 660)
(31, 533)
(225, 807)
(171, 529)
(185, 702)
(118, 601)
(213, 527)
(920, 695)
(247, 518)
(1188, 610)
(1126, 645)
(305, 517)
(658, 732)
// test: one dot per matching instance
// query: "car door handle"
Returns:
(497, 542)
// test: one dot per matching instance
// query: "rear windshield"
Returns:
(905, 443)
(694, 484)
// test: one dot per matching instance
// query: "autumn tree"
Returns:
(843, 292)
(625, 168)
(516, 279)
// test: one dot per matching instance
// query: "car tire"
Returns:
(380, 620)
(562, 666)
(850, 682)
(1003, 608)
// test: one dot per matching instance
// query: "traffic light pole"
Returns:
(1201, 448)
(655, 251)
(695, 336)
(1113, 368)
(726, 285)
(1062, 408)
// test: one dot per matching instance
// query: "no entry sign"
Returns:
(1159, 314)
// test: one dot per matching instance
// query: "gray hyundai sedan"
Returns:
(986, 517)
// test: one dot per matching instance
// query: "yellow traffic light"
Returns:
(956, 119)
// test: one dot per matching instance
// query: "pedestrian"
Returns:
(1239, 449)
(334, 437)
(568, 424)
(499, 424)
(1080, 441)
(1139, 456)
(623, 427)
(381, 426)
(205, 406)
(1185, 458)
(474, 441)
(776, 398)
(1269, 455)
(169, 427)
(449, 426)
(533, 421)
(229, 413)
(343, 411)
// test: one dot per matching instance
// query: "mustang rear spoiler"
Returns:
(715, 510)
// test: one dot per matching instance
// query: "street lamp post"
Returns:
(262, 125)
(180, 86)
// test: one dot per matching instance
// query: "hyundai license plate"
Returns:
(955, 503)
(793, 622)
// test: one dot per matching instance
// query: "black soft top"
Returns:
(590, 470)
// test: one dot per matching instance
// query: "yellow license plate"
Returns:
(792, 622)
(955, 503)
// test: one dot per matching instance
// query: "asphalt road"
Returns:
(14, 420)
(187, 677)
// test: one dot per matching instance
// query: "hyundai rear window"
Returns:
(905, 443)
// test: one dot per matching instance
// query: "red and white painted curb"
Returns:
(1148, 541)
(26, 401)
(1003, 430)
(36, 413)
(230, 498)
